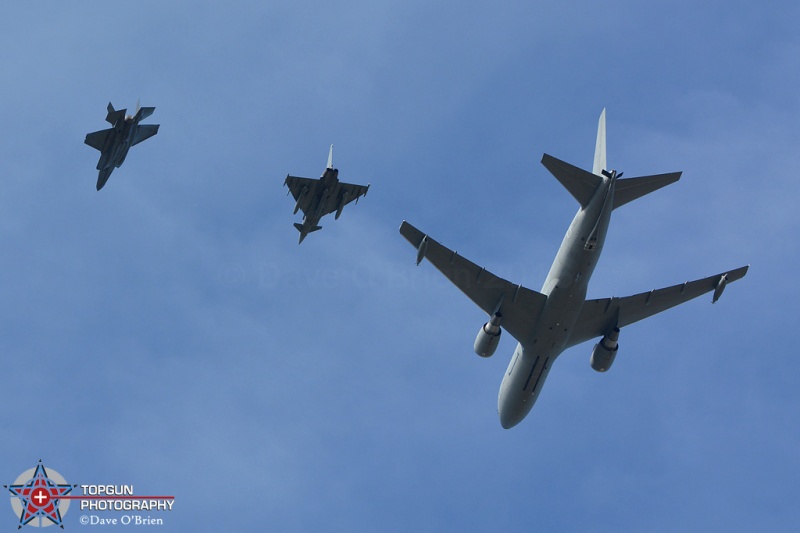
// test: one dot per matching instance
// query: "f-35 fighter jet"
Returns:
(115, 142)
(319, 197)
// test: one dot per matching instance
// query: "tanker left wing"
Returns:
(517, 307)
(599, 317)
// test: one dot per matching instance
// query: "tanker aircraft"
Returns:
(319, 197)
(546, 323)
(115, 142)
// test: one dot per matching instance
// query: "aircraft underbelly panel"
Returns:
(522, 384)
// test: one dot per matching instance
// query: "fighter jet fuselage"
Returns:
(117, 145)
(328, 182)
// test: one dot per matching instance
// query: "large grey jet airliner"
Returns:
(317, 198)
(548, 322)
(115, 142)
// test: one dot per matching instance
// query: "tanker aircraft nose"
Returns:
(510, 412)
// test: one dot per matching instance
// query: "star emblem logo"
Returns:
(37, 495)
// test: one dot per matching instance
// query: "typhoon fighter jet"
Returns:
(559, 316)
(317, 198)
(115, 142)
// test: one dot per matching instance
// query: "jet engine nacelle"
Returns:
(488, 337)
(605, 351)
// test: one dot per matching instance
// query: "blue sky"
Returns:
(168, 332)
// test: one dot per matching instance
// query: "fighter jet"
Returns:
(115, 142)
(319, 197)
(546, 323)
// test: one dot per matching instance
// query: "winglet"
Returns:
(330, 158)
(600, 146)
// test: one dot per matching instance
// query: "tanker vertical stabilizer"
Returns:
(600, 147)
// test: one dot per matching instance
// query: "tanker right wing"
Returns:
(599, 317)
(518, 307)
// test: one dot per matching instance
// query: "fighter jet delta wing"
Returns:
(518, 307)
(599, 317)
(303, 190)
(343, 195)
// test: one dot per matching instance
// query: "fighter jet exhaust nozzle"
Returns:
(488, 337)
(605, 351)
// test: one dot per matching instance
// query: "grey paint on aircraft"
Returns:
(317, 198)
(114, 143)
(559, 316)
